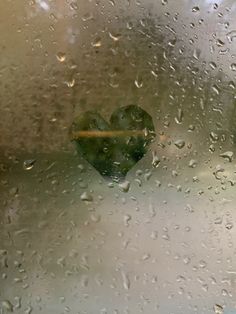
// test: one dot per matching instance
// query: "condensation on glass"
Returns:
(117, 164)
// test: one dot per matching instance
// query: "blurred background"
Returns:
(162, 241)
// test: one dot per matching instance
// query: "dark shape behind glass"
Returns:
(113, 149)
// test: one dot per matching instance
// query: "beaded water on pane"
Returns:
(117, 157)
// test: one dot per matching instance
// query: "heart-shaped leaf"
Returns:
(113, 149)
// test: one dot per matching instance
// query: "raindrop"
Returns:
(233, 67)
(191, 128)
(229, 225)
(145, 257)
(154, 235)
(164, 2)
(84, 281)
(212, 148)
(87, 17)
(227, 155)
(95, 217)
(195, 9)
(213, 65)
(7, 305)
(129, 25)
(220, 43)
(74, 6)
(28, 164)
(166, 237)
(218, 220)
(61, 56)
(218, 309)
(216, 89)
(126, 280)
(18, 303)
(124, 186)
(138, 82)
(224, 292)
(70, 83)
(13, 191)
(28, 310)
(179, 143)
(115, 37)
(214, 136)
(186, 260)
(180, 115)
(155, 160)
(231, 36)
(202, 264)
(196, 53)
(86, 197)
(127, 219)
(192, 163)
(218, 170)
(158, 183)
(97, 42)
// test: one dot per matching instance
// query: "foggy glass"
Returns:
(117, 157)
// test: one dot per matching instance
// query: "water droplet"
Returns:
(220, 43)
(74, 6)
(218, 220)
(86, 197)
(7, 305)
(231, 36)
(233, 67)
(13, 191)
(61, 261)
(202, 264)
(154, 235)
(147, 175)
(213, 65)
(192, 163)
(180, 115)
(229, 225)
(196, 53)
(166, 237)
(179, 143)
(224, 292)
(232, 85)
(129, 25)
(127, 219)
(87, 17)
(214, 136)
(29, 164)
(84, 281)
(218, 309)
(70, 83)
(115, 37)
(95, 217)
(195, 9)
(124, 186)
(97, 42)
(138, 82)
(28, 310)
(126, 280)
(191, 128)
(155, 160)
(216, 89)
(61, 56)
(18, 302)
(164, 2)
(227, 155)
(186, 260)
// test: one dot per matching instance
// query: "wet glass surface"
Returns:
(121, 222)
